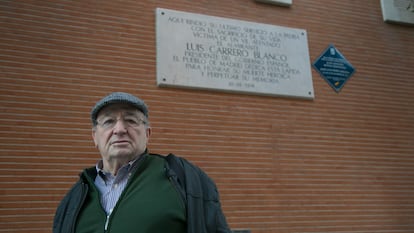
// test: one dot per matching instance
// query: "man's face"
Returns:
(121, 134)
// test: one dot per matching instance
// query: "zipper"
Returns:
(108, 217)
(107, 222)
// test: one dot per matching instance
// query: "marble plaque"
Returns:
(398, 11)
(277, 2)
(206, 52)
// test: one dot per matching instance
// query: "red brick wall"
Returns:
(340, 163)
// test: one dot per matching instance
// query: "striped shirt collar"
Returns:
(127, 167)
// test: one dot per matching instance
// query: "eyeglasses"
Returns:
(129, 121)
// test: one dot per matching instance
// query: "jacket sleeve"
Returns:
(203, 201)
(68, 209)
(221, 223)
(216, 221)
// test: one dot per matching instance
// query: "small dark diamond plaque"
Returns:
(334, 68)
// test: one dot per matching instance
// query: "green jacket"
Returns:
(199, 192)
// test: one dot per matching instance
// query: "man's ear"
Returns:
(148, 132)
(94, 136)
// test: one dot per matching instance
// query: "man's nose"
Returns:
(120, 126)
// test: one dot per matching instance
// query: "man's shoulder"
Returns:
(177, 162)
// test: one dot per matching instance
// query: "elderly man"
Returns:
(131, 190)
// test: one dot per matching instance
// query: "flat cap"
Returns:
(118, 97)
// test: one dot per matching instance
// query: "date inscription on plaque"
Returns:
(214, 53)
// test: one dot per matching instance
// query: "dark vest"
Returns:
(150, 203)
